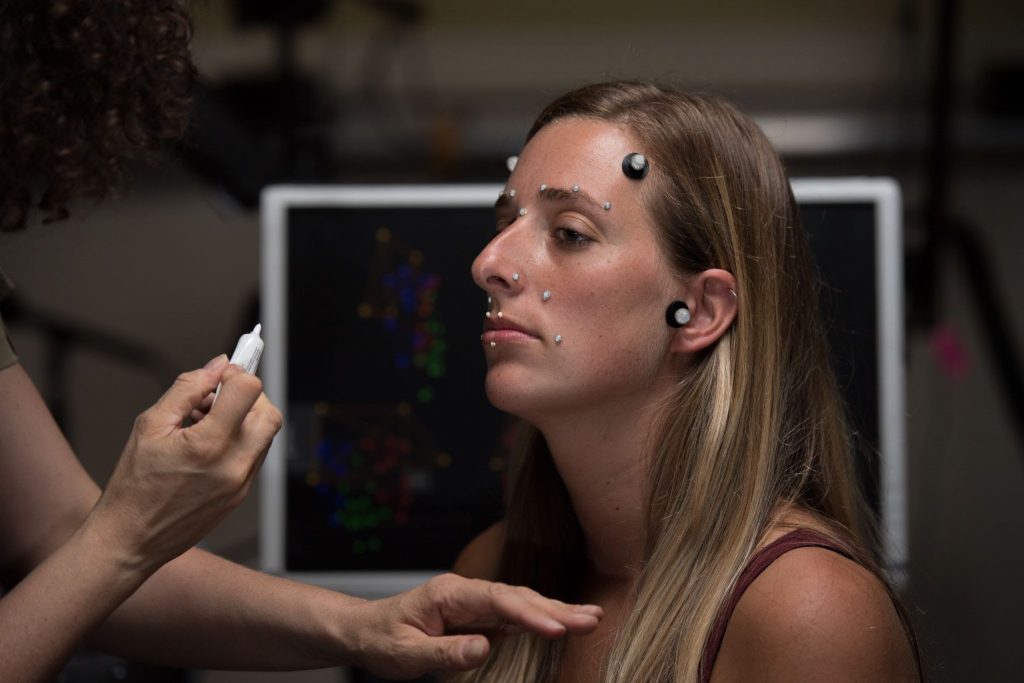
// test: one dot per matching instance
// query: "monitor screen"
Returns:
(391, 458)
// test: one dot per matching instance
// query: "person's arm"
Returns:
(814, 615)
(71, 556)
(202, 611)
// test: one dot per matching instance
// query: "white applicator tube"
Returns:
(247, 354)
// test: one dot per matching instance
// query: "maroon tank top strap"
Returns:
(800, 538)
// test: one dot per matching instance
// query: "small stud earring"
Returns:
(546, 296)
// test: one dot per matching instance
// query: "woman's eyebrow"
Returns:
(558, 194)
(553, 194)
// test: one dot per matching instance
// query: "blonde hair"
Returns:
(755, 424)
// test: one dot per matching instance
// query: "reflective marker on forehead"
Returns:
(635, 165)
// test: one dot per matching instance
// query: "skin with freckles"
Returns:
(658, 459)
(611, 280)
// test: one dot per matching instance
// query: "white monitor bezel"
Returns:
(277, 200)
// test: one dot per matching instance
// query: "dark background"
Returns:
(444, 91)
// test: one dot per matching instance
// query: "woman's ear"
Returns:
(711, 298)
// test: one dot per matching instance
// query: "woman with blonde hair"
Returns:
(686, 463)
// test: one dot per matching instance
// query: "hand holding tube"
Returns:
(173, 484)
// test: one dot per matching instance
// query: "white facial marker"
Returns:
(543, 187)
(515, 277)
(487, 314)
(607, 206)
(511, 193)
(522, 211)
(558, 339)
(575, 188)
(511, 162)
(493, 345)
(546, 296)
(499, 314)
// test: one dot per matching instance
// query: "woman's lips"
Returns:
(506, 331)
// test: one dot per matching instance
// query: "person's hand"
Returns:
(173, 484)
(447, 623)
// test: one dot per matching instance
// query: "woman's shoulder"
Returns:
(480, 559)
(815, 614)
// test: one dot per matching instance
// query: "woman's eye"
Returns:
(571, 238)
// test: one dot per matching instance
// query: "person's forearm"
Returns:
(45, 617)
(201, 611)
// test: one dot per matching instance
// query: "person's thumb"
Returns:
(456, 653)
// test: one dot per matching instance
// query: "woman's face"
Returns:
(577, 318)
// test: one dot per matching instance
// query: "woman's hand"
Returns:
(173, 484)
(445, 625)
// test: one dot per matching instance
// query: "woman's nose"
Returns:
(495, 269)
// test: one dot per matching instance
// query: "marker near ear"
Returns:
(247, 354)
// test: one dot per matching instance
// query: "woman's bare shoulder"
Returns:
(814, 614)
(481, 557)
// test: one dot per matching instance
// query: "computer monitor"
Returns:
(391, 459)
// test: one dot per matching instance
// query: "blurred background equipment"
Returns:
(361, 91)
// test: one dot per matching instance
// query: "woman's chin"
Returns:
(510, 394)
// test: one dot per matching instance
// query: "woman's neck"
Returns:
(600, 457)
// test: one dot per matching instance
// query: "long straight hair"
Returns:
(756, 422)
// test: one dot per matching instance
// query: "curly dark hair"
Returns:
(85, 86)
